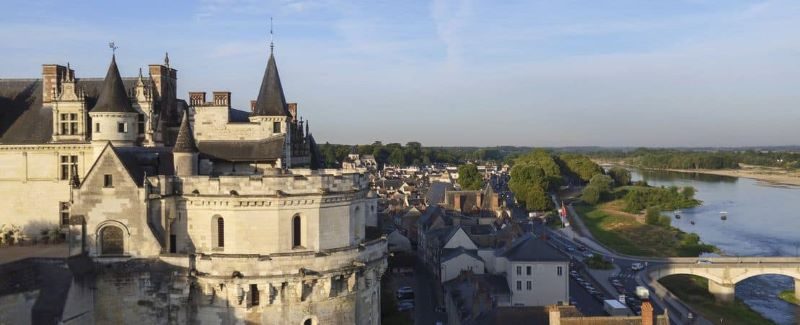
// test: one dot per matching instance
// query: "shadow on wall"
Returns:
(41, 230)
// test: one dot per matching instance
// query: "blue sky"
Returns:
(458, 72)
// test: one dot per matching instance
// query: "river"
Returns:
(763, 220)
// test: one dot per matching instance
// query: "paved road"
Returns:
(424, 297)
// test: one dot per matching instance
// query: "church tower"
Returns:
(113, 118)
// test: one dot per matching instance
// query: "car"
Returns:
(405, 301)
(637, 266)
(581, 248)
(405, 307)
(616, 282)
(573, 273)
(588, 254)
(570, 249)
(702, 261)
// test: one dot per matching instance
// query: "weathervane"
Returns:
(271, 42)
(112, 47)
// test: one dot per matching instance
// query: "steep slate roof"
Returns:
(23, 120)
(145, 161)
(185, 140)
(262, 150)
(530, 248)
(113, 97)
(270, 101)
(451, 253)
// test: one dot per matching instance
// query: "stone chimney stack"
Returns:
(252, 106)
(648, 315)
(554, 315)
(457, 202)
(197, 98)
(222, 98)
(292, 107)
(479, 200)
(52, 77)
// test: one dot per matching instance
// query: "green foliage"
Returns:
(580, 167)
(597, 262)
(603, 183)
(591, 195)
(536, 199)
(621, 176)
(652, 216)
(690, 245)
(638, 198)
(469, 178)
(397, 157)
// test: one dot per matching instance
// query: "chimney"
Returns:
(252, 106)
(197, 98)
(52, 77)
(479, 200)
(292, 107)
(554, 315)
(648, 315)
(457, 202)
(222, 98)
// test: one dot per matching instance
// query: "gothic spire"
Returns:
(113, 97)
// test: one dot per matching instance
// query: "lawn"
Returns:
(628, 234)
(693, 290)
(623, 233)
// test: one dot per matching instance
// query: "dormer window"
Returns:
(97, 128)
(276, 127)
(122, 127)
(68, 123)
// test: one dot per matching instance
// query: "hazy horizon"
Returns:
(691, 73)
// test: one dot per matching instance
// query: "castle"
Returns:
(233, 203)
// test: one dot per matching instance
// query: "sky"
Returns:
(456, 72)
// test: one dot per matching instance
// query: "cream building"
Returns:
(235, 202)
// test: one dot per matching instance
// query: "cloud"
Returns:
(450, 18)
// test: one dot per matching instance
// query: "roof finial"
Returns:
(166, 59)
(113, 48)
(271, 41)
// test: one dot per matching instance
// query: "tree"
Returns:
(591, 195)
(688, 192)
(602, 183)
(621, 176)
(580, 167)
(537, 199)
(653, 216)
(469, 178)
(397, 157)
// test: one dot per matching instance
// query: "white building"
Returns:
(235, 204)
(537, 274)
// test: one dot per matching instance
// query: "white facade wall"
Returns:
(451, 268)
(547, 285)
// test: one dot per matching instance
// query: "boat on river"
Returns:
(723, 215)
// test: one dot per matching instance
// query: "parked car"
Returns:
(405, 307)
(637, 266)
(588, 254)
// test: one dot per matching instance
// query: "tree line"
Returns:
(415, 154)
(537, 173)
(701, 159)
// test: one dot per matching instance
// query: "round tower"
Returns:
(184, 154)
(113, 118)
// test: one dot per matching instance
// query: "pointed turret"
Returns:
(113, 97)
(184, 143)
(270, 101)
(184, 154)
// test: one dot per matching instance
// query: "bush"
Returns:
(653, 216)
(591, 195)
(597, 262)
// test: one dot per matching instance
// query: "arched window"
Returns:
(220, 232)
(111, 241)
(296, 240)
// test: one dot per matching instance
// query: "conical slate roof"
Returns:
(113, 97)
(270, 101)
(185, 140)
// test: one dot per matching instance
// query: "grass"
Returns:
(693, 290)
(789, 297)
(628, 234)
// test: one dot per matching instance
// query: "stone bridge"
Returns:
(723, 273)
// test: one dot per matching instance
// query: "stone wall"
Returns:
(30, 183)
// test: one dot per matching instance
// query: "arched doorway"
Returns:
(111, 241)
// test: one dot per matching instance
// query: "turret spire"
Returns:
(113, 97)
(185, 140)
(271, 35)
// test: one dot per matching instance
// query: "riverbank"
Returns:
(764, 174)
(693, 290)
(788, 296)
(627, 233)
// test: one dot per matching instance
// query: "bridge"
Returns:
(723, 273)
